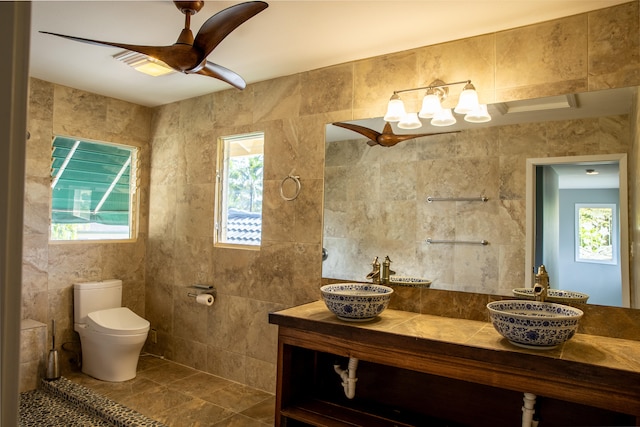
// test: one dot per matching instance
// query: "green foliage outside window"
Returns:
(64, 232)
(595, 230)
(245, 183)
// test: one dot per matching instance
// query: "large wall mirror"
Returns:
(376, 200)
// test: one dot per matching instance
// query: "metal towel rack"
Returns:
(457, 199)
(454, 242)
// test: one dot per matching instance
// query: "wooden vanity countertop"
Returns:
(589, 369)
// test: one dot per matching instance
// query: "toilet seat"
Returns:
(117, 321)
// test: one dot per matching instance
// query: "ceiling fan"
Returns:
(188, 54)
(387, 138)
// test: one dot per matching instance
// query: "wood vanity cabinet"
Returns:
(412, 381)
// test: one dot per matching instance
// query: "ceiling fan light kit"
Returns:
(143, 63)
(437, 92)
(188, 54)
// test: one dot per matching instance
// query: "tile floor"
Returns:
(180, 396)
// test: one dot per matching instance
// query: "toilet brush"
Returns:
(53, 368)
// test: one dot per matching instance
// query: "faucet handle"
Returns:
(540, 292)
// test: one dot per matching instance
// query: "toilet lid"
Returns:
(117, 321)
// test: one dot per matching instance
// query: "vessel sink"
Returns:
(417, 282)
(534, 324)
(553, 295)
(356, 302)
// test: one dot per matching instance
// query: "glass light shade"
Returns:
(443, 118)
(410, 121)
(395, 109)
(154, 68)
(430, 106)
(143, 63)
(468, 100)
(481, 115)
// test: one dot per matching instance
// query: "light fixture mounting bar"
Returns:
(432, 86)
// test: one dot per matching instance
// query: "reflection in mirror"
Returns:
(375, 197)
(577, 225)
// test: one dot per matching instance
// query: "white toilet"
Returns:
(112, 336)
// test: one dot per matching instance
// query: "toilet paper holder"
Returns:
(202, 289)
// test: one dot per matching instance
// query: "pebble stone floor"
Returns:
(163, 393)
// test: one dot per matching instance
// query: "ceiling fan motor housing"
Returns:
(189, 7)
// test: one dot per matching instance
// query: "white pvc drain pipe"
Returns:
(348, 377)
(349, 380)
(528, 410)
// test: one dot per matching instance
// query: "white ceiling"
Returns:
(574, 176)
(288, 37)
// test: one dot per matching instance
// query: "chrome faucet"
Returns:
(386, 271)
(375, 273)
(541, 285)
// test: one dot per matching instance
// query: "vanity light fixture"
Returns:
(395, 109)
(592, 172)
(444, 117)
(480, 115)
(410, 121)
(437, 92)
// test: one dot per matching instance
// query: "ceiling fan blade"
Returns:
(369, 133)
(155, 51)
(220, 25)
(221, 73)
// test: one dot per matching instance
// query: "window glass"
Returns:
(240, 187)
(596, 233)
(93, 190)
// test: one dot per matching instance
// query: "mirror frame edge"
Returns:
(531, 164)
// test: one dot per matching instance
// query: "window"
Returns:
(596, 231)
(93, 190)
(239, 190)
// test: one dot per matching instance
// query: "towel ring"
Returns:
(294, 178)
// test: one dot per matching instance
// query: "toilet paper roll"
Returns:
(205, 299)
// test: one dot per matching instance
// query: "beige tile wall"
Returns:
(33, 351)
(49, 270)
(233, 338)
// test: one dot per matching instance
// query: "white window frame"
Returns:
(134, 195)
(614, 232)
(221, 204)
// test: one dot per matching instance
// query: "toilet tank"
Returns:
(93, 296)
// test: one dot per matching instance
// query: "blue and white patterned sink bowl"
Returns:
(534, 324)
(553, 295)
(414, 282)
(356, 302)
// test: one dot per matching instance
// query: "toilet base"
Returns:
(111, 358)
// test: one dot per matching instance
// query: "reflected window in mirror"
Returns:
(595, 233)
